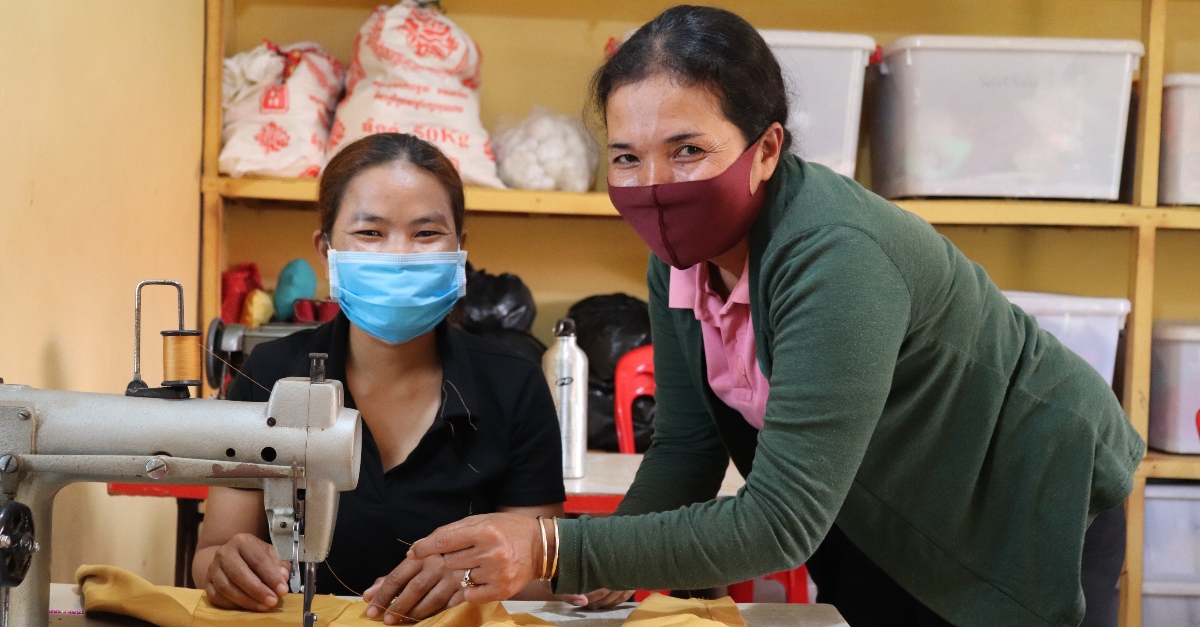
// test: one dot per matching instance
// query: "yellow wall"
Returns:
(100, 116)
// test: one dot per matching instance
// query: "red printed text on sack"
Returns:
(370, 126)
(444, 136)
(417, 88)
(453, 93)
(337, 133)
(427, 35)
(418, 104)
(272, 138)
(274, 99)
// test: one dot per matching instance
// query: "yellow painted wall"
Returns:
(544, 51)
(100, 122)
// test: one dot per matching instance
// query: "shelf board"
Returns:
(948, 211)
(989, 212)
(1160, 465)
(478, 198)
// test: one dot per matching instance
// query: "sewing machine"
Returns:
(301, 448)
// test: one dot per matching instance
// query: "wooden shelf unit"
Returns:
(1141, 219)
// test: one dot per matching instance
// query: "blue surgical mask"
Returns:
(397, 297)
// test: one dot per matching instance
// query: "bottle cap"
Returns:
(565, 327)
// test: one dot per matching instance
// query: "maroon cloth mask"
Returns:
(692, 221)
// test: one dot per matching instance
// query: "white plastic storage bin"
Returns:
(1172, 536)
(1179, 169)
(1001, 116)
(1175, 386)
(1168, 604)
(825, 73)
(1171, 555)
(1088, 326)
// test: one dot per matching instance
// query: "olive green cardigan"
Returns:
(961, 448)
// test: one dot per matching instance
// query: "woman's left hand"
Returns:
(503, 551)
(416, 589)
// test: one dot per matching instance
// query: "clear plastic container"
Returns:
(1172, 537)
(1170, 604)
(1179, 168)
(1001, 117)
(825, 73)
(1088, 326)
(1175, 386)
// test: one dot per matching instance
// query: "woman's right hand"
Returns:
(246, 574)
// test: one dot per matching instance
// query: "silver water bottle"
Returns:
(566, 368)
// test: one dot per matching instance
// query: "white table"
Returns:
(612, 474)
(64, 598)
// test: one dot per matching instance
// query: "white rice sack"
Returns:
(547, 151)
(278, 105)
(414, 71)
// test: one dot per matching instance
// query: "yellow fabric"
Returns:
(116, 591)
(662, 611)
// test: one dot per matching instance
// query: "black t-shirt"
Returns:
(495, 442)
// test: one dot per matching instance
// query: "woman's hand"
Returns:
(246, 574)
(416, 589)
(503, 551)
(601, 599)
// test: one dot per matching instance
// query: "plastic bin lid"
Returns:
(1177, 330)
(814, 39)
(1171, 588)
(1043, 303)
(1181, 80)
(1020, 44)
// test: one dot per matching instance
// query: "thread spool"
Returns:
(181, 358)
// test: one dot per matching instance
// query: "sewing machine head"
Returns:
(301, 448)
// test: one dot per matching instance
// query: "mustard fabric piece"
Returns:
(116, 591)
(663, 611)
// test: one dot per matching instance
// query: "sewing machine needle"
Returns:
(310, 585)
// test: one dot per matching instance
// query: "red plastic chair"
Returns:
(634, 378)
(795, 586)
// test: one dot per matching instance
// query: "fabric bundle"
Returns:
(116, 591)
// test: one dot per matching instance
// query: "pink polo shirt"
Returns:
(729, 347)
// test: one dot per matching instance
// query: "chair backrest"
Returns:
(634, 377)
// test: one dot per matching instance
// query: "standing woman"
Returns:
(934, 456)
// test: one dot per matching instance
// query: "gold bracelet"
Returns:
(545, 550)
(557, 549)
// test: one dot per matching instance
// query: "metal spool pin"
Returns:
(181, 351)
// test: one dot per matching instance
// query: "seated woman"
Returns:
(452, 425)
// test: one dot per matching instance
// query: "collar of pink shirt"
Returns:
(730, 350)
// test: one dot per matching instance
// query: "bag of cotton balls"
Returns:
(547, 151)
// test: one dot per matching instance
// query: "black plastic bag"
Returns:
(496, 301)
(607, 327)
(499, 308)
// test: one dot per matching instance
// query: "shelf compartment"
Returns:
(1160, 465)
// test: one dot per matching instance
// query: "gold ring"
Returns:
(466, 582)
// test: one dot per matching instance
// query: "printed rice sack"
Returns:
(278, 106)
(414, 71)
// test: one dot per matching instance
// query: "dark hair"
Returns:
(382, 149)
(710, 47)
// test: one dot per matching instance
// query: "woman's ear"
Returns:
(321, 243)
(462, 240)
(770, 149)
